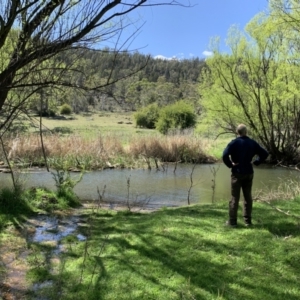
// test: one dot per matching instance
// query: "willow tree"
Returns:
(288, 11)
(257, 84)
(34, 31)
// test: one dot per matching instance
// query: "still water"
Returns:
(159, 188)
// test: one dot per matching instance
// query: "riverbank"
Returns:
(178, 253)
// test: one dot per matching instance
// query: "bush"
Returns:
(179, 115)
(65, 186)
(66, 109)
(62, 130)
(147, 116)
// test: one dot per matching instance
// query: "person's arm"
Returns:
(262, 155)
(226, 158)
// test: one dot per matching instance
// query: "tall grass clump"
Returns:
(13, 205)
(65, 186)
(174, 148)
(70, 151)
(73, 151)
(286, 190)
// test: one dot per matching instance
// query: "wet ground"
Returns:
(42, 229)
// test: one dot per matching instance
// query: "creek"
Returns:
(157, 188)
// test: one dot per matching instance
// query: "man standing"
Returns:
(238, 157)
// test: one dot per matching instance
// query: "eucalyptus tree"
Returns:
(257, 83)
(34, 31)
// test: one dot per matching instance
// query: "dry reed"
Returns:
(288, 189)
(107, 150)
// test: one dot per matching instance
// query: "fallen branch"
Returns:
(282, 211)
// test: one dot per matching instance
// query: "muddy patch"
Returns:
(16, 247)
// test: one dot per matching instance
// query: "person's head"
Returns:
(241, 130)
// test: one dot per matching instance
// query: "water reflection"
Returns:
(160, 188)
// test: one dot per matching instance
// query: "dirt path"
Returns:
(13, 253)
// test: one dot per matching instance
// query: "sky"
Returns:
(172, 31)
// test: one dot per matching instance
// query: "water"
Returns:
(159, 188)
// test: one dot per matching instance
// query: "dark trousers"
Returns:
(238, 182)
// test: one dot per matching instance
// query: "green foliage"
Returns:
(176, 116)
(66, 109)
(13, 205)
(62, 130)
(65, 186)
(10, 199)
(256, 84)
(43, 199)
(147, 116)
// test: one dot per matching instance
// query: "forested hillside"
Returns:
(137, 80)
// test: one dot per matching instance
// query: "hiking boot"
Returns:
(230, 224)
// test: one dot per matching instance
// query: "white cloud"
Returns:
(166, 58)
(207, 53)
(161, 57)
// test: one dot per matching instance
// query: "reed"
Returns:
(109, 150)
(288, 189)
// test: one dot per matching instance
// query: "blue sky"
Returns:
(171, 31)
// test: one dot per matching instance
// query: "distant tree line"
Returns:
(135, 80)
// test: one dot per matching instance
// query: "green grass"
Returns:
(92, 125)
(183, 253)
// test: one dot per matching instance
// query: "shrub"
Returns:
(62, 130)
(147, 116)
(179, 115)
(65, 186)
(65, 109)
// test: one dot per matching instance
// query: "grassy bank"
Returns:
(182, 253)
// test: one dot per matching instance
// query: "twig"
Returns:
(214, 171)
(8, 162)
(282, 211)
(191, 185)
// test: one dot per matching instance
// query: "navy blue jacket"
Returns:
(241, 152)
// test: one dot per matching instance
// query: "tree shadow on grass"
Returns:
(278, 223)
(150, 250)
(182, 253)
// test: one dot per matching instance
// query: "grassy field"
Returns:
(93, 125)
(183, 253)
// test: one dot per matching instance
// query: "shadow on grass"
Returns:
(187, 253)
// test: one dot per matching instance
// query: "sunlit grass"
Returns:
(93, 125)
(183, 253)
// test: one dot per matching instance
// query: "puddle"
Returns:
(52, 229)
(42, 229)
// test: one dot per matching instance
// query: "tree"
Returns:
(147, 116)
(178, 116)
(288, 11)
(257, 84)
(34, 31)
